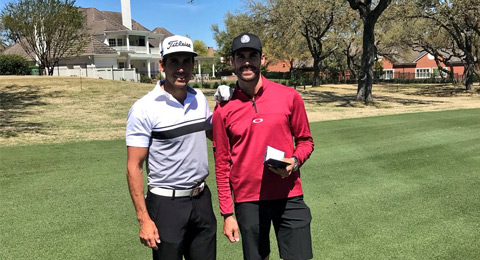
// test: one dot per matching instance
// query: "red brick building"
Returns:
(279, 66)
(421, 67)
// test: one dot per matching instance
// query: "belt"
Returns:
(178, 193)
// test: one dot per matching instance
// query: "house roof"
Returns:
(162, 31)
(95, 46)
(18, 50)
(423, 53)
(97, 22)
(412, 57)
(403, 57)
(303, 63)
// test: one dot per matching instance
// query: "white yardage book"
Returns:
(273, 158)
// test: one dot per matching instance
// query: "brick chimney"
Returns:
(210, 51)
(126, 14)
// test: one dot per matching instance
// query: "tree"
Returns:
(279, 34)
(234, 25)
(200, 48)
(4, 42)
(3, 45)
(48, 30)
(349, 30)
(314, 21)
(369, 18)
(424, 36)
(293, 28)
(460, 20)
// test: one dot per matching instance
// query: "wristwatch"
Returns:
(225, 216)
(295, 164)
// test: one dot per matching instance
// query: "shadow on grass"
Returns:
(15, 102)
(348, 100)
(433, 90)
(444, 91)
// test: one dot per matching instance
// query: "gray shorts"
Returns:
(291, 220)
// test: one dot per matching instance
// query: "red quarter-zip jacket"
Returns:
(243, 128)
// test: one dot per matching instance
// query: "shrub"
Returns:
(145, 79)
(159, 76)
(12, 64)
(212, 85)
(476, 78)
(276, 75)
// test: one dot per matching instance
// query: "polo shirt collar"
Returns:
(265, 84)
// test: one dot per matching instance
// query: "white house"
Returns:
(119, 48)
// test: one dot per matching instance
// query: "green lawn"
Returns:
(391, 187)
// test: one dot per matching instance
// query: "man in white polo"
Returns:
(167, 129)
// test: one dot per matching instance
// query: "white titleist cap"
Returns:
(177, 43)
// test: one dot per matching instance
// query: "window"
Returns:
(387, 74)
(119, 42)
(422, 73)
(112, 42)
(121, 65)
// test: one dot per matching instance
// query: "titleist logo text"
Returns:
(178, 44)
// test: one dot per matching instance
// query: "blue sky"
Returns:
(177, 16)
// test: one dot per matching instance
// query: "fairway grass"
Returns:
(396, 187)
(389, 187)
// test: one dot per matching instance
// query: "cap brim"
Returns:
(193, 53)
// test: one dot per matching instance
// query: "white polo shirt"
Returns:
(175, 136)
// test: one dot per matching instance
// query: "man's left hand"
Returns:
(284, 172)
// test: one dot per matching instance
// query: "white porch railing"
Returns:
(99, 73)
(137, 49)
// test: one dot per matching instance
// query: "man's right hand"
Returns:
(230, 229)
(149, 234)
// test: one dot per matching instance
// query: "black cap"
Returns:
(246, 40)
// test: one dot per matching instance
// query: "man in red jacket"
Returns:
(262, 114)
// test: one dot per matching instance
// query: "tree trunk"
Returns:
(469, 68)
(41, 69)
(364, 91)
(316, 73)
(51, 70)
(451, 74)
(468, 76)
(292, 74)
(350, 66)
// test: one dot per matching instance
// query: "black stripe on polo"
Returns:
(179, 124)
(183, 130)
